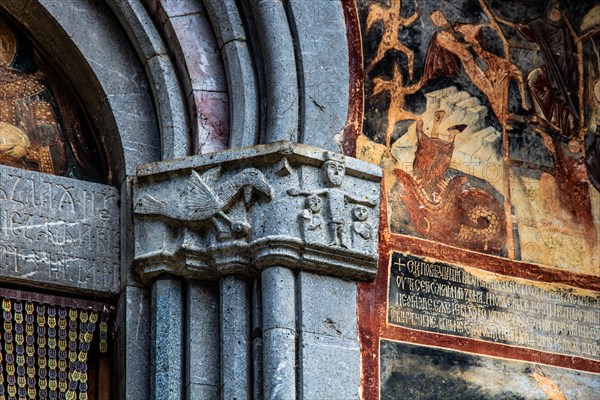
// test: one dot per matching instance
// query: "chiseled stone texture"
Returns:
(133, 338)
(235, 339)
(167, 377)
(264, 194)
(203, 361)
(329, 352)
(279, 333)
(58, 231)
(329, 368)
(319, 31)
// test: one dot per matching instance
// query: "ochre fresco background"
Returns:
(482, 115)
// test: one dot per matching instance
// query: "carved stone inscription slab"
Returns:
(58, 230)
(467, 302)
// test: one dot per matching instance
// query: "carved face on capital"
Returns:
(361, 213)
(314, 203)
(334, 172)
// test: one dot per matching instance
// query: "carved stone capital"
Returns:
(238, 211)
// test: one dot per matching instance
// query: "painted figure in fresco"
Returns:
(334, 171)
(29, 136)
(34, 135)
(554, 86)
(396, 110)
(392, 22)
(456, 45)
(439, 207)
(556, 95)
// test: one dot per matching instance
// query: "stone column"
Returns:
(279, 333)
(166, 351)
(303, 223)
(235, 339)
(203, 359)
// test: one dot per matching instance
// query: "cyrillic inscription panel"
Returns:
(461, 301)
(58, 230)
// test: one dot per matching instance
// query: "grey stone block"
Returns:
(329, 368)
(139, 27)
(243, 94)
(202, 392)
(327, 306)
(139, 134)
(281, 80)
(128, 277)
(171, 107)
(278, 295)
(134, 344)
(203, 364)
(279, 364)
(235, 339)
(319, 31)
(271, 224)
(226, 20)
(167, 379)
(58, 231)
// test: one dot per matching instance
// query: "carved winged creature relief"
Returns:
(207, 197)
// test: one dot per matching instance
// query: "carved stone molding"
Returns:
(238, 211)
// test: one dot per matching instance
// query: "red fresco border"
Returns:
(372, 305)
(354, 120)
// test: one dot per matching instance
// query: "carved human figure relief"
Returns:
(208, 197)
(312, 221)
(362, 230)
(334, 172)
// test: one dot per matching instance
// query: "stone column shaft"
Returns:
(167, 340)
(236, 365)
(203, 377)
(279, 333)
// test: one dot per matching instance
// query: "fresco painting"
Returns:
(485, 116)
(41, 126)
(424, 373)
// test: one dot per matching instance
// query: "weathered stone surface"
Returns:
(203, 363)
(235, 339)
(279, 333)
(59, 231)
(243, 94)
(139, 27)
(210, 113)
(263, 218)
(327, 306)
(280, 77)
(175, 135)
(329, 368)
(322, 53)
(167, 376)
(226, 20)
(279, 364)
(134, 343)
(327, 331)
(127, 274)
(196, 52)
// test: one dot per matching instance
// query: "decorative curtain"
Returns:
(44, 345)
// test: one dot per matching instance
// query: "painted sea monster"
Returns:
(208, 197)
(440, 208)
